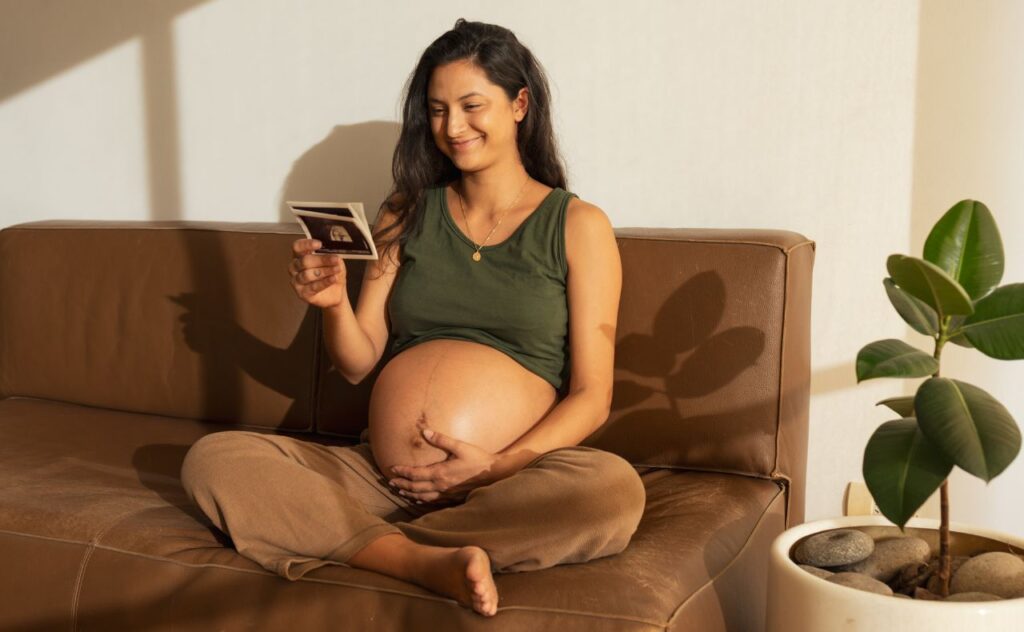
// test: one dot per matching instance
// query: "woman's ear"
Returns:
(521, 104)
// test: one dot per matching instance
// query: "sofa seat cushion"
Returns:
(95, 528)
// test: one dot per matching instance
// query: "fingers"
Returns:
(310, 289)
(414, 473)
(310, 262)
(442, 441)
(423, 492)
(303, 255)
(402, 484)
(303, 246)
(307, 268)
(311, 275)
(427, 497)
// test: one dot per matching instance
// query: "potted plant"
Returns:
(951, 295)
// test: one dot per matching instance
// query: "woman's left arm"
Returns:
(593, 287)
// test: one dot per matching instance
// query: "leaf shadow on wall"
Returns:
(687, 356)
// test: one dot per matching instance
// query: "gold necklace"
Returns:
(462, 207)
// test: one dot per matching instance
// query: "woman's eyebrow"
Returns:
(465, 96)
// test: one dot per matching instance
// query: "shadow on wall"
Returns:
(688, 355)
(351, 164)
(39, 40)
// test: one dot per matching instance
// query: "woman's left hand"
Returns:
(468, 466)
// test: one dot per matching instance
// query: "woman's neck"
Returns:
(492, 191)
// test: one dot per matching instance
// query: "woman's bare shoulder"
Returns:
(588, 233)
(583, 218)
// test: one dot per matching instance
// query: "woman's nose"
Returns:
(455, 124)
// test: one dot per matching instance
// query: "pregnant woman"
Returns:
(501, 291)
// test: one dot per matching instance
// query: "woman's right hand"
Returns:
(320, 280)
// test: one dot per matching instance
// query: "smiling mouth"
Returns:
(464, 144)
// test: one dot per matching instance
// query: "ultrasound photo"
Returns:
(340, 227)
(338, 236)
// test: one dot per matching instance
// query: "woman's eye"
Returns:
(471, 106)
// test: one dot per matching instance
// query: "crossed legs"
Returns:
(294, 505)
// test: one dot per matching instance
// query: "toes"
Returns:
(486, 608)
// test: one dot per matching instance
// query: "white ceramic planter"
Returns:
(801, 602)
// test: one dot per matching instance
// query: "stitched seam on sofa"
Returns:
(690, 468)
(657, 624)
(85, 561)
(782, 380)
(307, 578)
(738, 242)
(227, 426)
(782, 366)
(77, 591)
(697, 240)
(121, 225)
(746, 544)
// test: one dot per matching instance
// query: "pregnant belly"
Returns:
(462, 389)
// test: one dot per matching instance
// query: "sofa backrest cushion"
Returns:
(197, 320)
(185, 319)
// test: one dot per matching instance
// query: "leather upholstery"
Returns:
(121, 343)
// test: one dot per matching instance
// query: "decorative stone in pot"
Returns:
(890, 587)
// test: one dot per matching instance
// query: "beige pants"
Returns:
(293, 505)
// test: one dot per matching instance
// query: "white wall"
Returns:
(970, 144)
(795, 114)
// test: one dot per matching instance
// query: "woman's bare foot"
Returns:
(463, 574)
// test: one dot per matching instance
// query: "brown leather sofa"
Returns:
(121, 343)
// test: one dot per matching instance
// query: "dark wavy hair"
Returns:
(418, 164)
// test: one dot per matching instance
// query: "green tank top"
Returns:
(513, 299)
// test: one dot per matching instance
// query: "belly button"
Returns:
(421, 423)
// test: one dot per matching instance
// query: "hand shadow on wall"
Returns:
(207, 331)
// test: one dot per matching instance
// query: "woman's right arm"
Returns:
(355, 340)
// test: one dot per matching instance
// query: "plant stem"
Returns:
(944, 557)
(944, 553)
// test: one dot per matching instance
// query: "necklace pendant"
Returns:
(476, 256)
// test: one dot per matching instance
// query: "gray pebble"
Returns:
(834, 548)
(860, 582)
(973, 596)
(889, 557)
(817, 572)
(996, 573)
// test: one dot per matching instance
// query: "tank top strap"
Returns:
(547, 231)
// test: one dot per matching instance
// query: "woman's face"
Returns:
(472, 120)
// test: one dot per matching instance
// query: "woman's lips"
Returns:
(465, 145)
